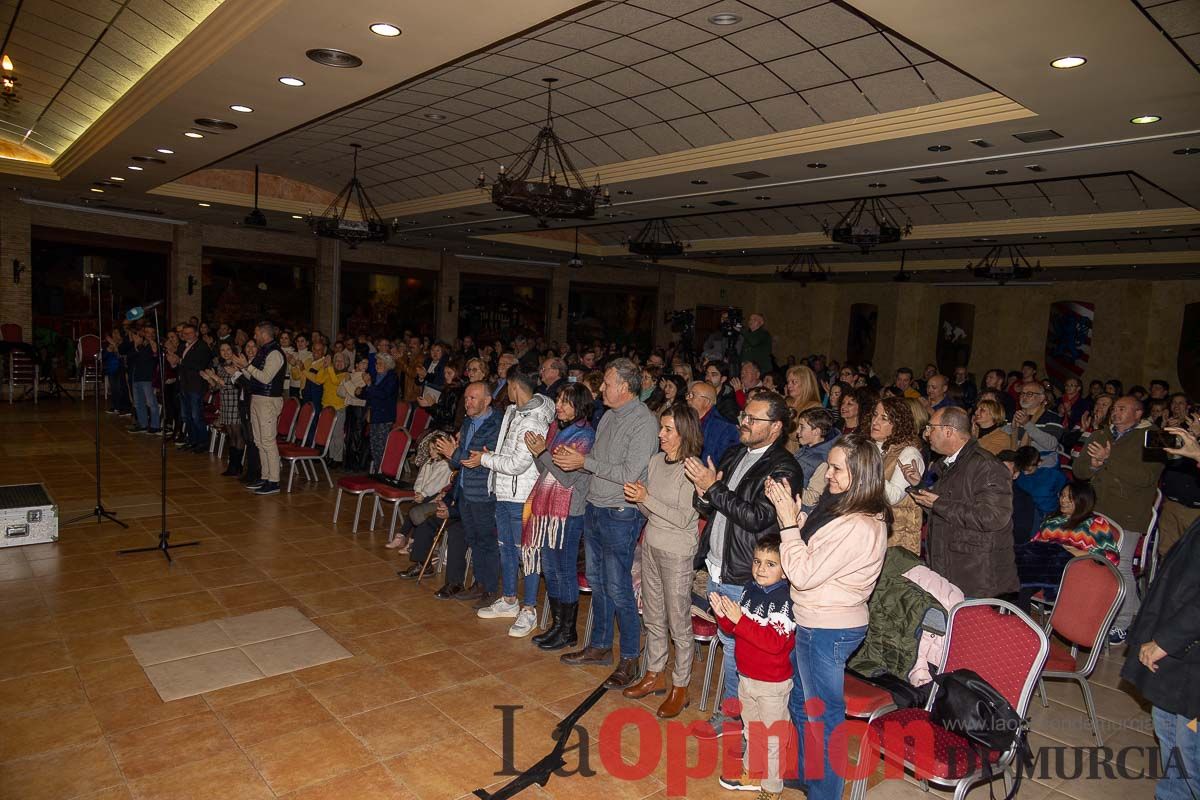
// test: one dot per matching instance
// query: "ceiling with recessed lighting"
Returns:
(747, 123)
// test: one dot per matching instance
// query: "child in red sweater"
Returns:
(765, 632)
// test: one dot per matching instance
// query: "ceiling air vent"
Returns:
(723, 203)
(214, 124)
(147, 159)
(751, 175)
(930, 179)
(330, 57)
(981, 143)
(1029, 137)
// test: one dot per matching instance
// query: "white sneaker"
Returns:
(526, 622)
(500, 608)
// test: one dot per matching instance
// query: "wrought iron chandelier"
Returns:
(804, 267)
(656, 240)
(867, 224)
(1003, 263)
(335, 224)
(543, 181)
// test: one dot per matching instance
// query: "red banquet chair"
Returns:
(403, 413)
(303, 421)
(10, 332)
(1006, 649)
(1089, 597)
(419, 423)
(287, 419)
(293, 454)
(394, 452)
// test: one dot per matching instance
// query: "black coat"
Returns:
(748, 512)
(727, 405)
(198, 358)
(1168, 617)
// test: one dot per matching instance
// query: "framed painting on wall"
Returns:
(1069, 339)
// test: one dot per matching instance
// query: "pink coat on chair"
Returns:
(931, 647)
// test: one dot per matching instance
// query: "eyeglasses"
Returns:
(742, 417)
(938, 425)
(1033, 394)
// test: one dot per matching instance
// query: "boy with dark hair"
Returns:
(765, 633)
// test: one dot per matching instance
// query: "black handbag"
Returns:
(968, 705)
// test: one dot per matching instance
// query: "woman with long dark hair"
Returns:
(857, 407)
(832, 558)
(894, 433)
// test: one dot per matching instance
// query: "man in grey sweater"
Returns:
(626, 438)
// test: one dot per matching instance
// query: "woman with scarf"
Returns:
(553, 517)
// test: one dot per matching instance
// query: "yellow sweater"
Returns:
(329, 380)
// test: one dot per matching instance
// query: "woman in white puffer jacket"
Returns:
(512, 477)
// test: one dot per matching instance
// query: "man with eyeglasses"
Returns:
(732, 496)
(719, 434)
(1036, 425)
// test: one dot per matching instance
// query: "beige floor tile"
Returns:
(102, 678)
(296, 652)
(60, 687)
(476, 767)
(228, 776)
(361, 691)
(164, 746)
(137, 708)
(263, 625)
(61, 774)
(308, 756)
(258, 719)
(209, 672)
(47, 729)
(176, 643)
(401, 727)
(371, 783)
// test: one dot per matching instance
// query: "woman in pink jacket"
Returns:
(832, 558)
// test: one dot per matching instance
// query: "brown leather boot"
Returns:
(652, 683)
(677, 700)
(624, 675)
(587, 656)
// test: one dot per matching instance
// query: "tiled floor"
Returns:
(411, 715)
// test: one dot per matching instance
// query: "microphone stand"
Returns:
(99, 512)
(164, 536)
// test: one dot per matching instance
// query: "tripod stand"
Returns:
(164, 536)
(99, 512)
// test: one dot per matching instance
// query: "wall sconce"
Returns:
(191, 285)
(18, 268)
(450, 303)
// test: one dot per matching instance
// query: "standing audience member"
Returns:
(716, 374)
(1181, 492)
(756, 344)
(717, 432)
(192, 358)
(266, 374)
(671, 540)
(358, 452)
(381, 394)
(816, 435)
(987, 426)
(142, 363)
(894, 433)
(1035, 424)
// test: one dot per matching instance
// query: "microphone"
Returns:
(137, 312)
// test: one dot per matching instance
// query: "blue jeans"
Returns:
(559, 565)
(729, 686)
(146, 404)
(193, 415)
(1175, 738)
(479, 528)
(508, 527)
(609, 537)
(819, 671)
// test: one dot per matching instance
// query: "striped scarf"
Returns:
(544, 518)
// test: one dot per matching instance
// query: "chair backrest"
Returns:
(324, 427)
(303, 423)
(1000, 643)
(287, 417)
(403, 412)
(22, 368)
(395, 450)
(10, 332)
(420, 421)
(89, 346)
(1089, 596)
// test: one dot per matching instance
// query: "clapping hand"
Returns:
(635, 492)
(445, 447)
(567, 458)
(701, 474)
(736, 384)
(1020, 418)
(787, 505)
(535, 442)
(475, 459)
(725, 607)
(1099, 453)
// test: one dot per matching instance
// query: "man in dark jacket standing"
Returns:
(970, 510)
(733, 498)
(192, 358)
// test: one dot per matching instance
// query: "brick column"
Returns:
(448, 295)
(16, 299)
(556, 314)
(187, 251)
(327, 286)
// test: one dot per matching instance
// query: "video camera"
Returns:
(731, 322)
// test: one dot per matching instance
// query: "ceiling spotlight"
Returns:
(1145, 119)
(241, 109)
(115, 178)
(193, 134)
(165, 151)
(725, 18)
(204, 205)
(816, 165)
(984, 239)
(1186, 151)
(624, 191)
(297, 216)
(135, 169)
(287, 80)
(699, 182)
(97, 191)
(876, 185)
(687, 205)
(762, 197)
(938, 148)
(434, 116)
(997, 172)
(384, 29)
(1068, 62)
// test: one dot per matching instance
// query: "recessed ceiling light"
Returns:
(1068, 62)
(938, 148)
(687, 205)
(204, 205)
(288, 80)
(331, 57)
(97, 191)
(115, 178)
(1187, 151)
(1145, 119)
(135, 169)
(1039, 236)
(241, 109)
(816, 165)
(984, 239)
(876, 185)
(699, 182)
(434, 116)
(193, 135)
(762, 197)
(624, 191)
(384, 29)
(997, 172)
(297, 216)
(725, 18)
(165, 151)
